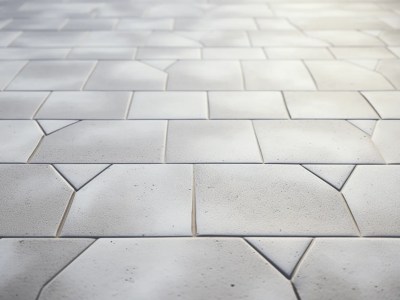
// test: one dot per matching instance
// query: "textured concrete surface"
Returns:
(199, 149)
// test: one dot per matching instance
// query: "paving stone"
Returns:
(285, 253)
(274, 24)
(85, 105)
(19, 139)
(145, 24)
(126, 75)
(221, 141)
(215, 24)
(20, 105)
(134, 200)
(233, 53)
(385, 134)
(217, 38)
(368, 126)
(33, 200)
(28, 264)
(247, 105)
(372, 193)
(391, 38)
(280, 200)
(201, 269)
(277, 75)
(7, 37)
(391, 70)
(49, 126)
(298, 53)
(170, 105)
(281, 38)
(56, 39)
(386, 103)
(35, 24)
(102, 53)
(237, 10)
(339, 23)
(205, 75)
(8, 70)
(328, 105)
(345, 38)
(90, 24)
(162, 65)
(352, 77)
(170, 39)
(78, 175)
(168, 53)
(336, 175)
(362, 53)
(52, 75)
(105, 142)
(350, 269)
(33, 53)
(313, 141)
(114, 38)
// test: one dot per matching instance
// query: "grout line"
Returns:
(37, 146)
(98, 174)
(194, 212)
(258, 143)
(164, 160)
(76, 121)
(61, 270)
(65, 214)
(370, 104)
(89, 75)
(286, 106)
(311, 75)
(297, 267)
(129, 106)
(265, 258)
(5, 88)
(352, 215)
(319, 177)
(208, 105)
(41, 105)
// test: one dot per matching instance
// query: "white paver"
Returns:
(385, 138)
(33, 200)
(105, 142)
(28, 264)
(185, 268)
(267, 200)
(314, 141)
(387, 104)
(213, 141)
(134, 200)
(372, 193)
(350, 269)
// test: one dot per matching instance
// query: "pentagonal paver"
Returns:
(33, 200)
(267, 200)
(386, 137)
(350, 269)
(387, 104)
(328, 105)
(85, 105)
(126, 75)
(20, 105)
(18, 140)
(52, 75)
(342, 75)
(277, 75)
(373, 193)
(128, 200)
(211, 141)
(28, 264)
(195, 269)
(312, 141)
(104, 141)
(205, 75)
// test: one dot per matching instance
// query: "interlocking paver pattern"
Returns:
(199, 149)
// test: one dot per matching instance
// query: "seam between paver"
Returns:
(300, 261)
(41, 105)
(61, 270)
(89, 74)
(129, 106)
(352, 215)
(258, 143)
(194, 211)
(164, 158)
(65, 214)
(370, 104)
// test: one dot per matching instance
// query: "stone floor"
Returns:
(199, 149)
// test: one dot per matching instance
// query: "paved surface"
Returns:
(199, 149)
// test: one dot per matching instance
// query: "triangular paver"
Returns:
(284, 253)
(50, 126)
(336, 175)
(367, 126)
(159, 64)
(79, 174)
